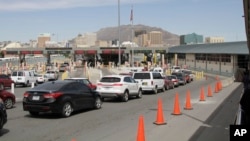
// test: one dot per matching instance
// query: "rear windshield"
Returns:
(142, 76)
(50, 86)
(17, 73)
(110, 79)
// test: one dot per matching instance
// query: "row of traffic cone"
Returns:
(188, 106)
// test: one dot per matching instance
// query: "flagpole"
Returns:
(119, 36)
(132, 34)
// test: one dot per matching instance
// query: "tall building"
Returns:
(42, 39)
(214, 39)
(155, 38)
(191, 39)
(151, 39)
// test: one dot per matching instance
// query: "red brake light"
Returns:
(26, 94)
(52, 95)
(117, 84)
(99, 84)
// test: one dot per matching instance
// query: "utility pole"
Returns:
(119, 36)
(132, 35)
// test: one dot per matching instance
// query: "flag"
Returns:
(131, 15)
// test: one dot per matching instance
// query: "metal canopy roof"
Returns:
(213, 48)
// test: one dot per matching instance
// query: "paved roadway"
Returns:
(209, 120)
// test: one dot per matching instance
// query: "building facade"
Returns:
(191, 39)
(42, 39)
(214, 39)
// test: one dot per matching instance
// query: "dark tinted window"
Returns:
(3, 76)
(127, 79)
(142, 76)
(110, 79)
(54, 85)
(157, 76)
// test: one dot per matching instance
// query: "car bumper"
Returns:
(110, 93)
(41, 107)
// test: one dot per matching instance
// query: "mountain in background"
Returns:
(111, 33)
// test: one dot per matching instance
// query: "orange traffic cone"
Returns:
(73, 140)
(209, 91)
(216, 88)
(202, 95)
(160, 117)
(140, 133)
(188, 105)
(176, 106)
(218, 85)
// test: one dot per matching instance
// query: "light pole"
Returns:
(119, 36)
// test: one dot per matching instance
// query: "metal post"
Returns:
(119, 35)
(132, 34)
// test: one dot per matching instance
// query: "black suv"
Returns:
(3, 114)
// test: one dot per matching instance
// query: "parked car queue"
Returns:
(64, 97)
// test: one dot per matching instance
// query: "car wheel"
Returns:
(164, 88)
(67, 109)
(98, 103)
(8, 103)
(1, 121)
(1, 87)
(125, 96)
(139, 94)
(155, 90)
(34, 113)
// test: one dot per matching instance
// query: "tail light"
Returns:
(117, 84)
(152, 82)
(26, 94)
(52, 95)
(99, 84)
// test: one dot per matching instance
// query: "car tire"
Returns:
(125, 96)
(98, 103)
(1, 87)
(67, 109)
(139, 94)
(34, 113)
(155, 90)
(1, 121)
(164, 88)
(8, 103)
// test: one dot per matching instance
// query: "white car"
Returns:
(51, 75)
(40, 78)
(150, 81)
(118, 86)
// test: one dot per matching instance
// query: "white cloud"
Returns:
(21, 5)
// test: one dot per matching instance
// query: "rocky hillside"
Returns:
(111, 33)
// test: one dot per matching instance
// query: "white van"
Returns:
(23, 77)
(150, 81)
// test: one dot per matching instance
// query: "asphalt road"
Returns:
(209, 119)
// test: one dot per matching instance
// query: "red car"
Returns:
(83, 80)
(8, 98)
(5, 81)
(168, 82)
(175, 80)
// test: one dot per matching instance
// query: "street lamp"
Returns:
(119, 36)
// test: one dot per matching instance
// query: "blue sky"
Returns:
(22, 20)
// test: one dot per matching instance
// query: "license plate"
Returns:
(35, 97)
(144, 83)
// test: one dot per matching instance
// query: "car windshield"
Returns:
(142, 76)
(110, 79)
